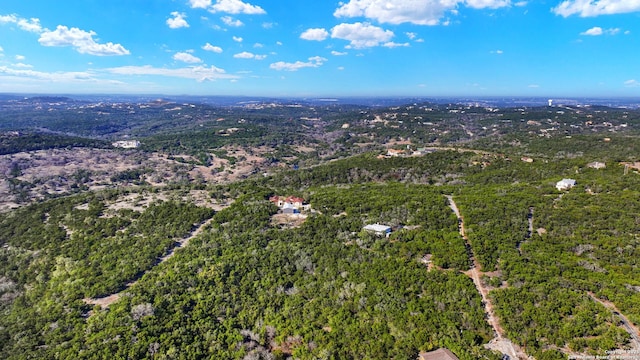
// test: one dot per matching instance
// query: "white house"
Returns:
(126, 144)
(395, 152)
(289, 208)
(378, 229)
(290, 202)
(565, 184)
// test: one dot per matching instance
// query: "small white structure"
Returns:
(289, 208)
(597, 165)
(378, 229)
(395, 152)
(565, 184)
(126, 144)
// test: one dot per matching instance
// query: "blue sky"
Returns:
(308, 48)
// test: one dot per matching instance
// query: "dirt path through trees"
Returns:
(626, 324)
(499, 343)
(110, 299)
(529, 229)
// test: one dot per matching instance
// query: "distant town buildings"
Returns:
(126, 144)
(565, 184)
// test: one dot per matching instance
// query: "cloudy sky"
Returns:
(322, 47)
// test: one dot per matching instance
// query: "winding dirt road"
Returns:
(633, 331)
(499, 343)
(110, 299)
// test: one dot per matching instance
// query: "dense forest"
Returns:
(214, 269)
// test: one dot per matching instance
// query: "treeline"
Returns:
(582, 147)
(437, 168)
(11, 144)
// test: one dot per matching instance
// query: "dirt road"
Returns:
(110, 299)
(499, 343)
(633, 331)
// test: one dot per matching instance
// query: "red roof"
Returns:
(289, 199)
(293, 199)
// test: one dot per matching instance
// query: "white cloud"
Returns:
(20, 57)
(177, 21)
(1, 49)
(597, 31)
(258, 46)
(55, 76)
(392, 44)
(6, 19)
(361, 35)
(490, 4)
(200, 4)
(248, 55)
(267, 25)
(533, 86)
(498, 52)
(419, 12)
(31, 25)
(338, 53)
(209, 47)
(279, 43)
(237, 39)
(22, 65)
(199, 73)
(594, 31)
(589, 8)
(187, 58)
(313, 62)
(82, 41)
(229, 21)
(340, 68)
(411, 35)
(236, 7)
(318, 34)
(632, 83)
(521, 3)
